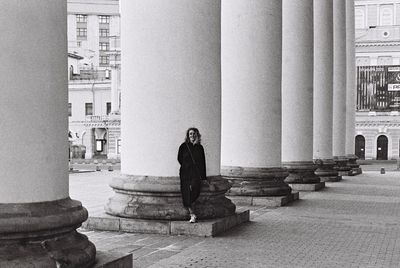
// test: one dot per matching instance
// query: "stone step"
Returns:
(332, 179)
(307, 187)
(203, 228)
(267, 201)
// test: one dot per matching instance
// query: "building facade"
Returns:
(378, 77)
(94, 78)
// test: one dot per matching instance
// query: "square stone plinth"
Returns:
(331, 179)
(355, 171)
(113, 260)
(203, 228)
(267, 201)
(345, 173)
(307, 187)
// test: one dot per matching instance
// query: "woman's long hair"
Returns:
(198, 135)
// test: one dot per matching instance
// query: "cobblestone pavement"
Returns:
(352, 223)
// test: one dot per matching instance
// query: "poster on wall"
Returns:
(393, 75)
(393, 81)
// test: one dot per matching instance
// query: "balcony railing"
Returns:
(97, 118)
(92, 75)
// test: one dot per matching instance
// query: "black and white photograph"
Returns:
(200, 133)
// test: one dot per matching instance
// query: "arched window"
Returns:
(360, 146)
(359, 18)
(386, 16)
(382, 148)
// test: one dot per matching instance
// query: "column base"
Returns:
(210, 227)
(260, 182)
(266, 201)
(355, 168)
(302, 172)
(159, 198)
(341, 165)
(44, 235)
(307, 187)
(326, 170)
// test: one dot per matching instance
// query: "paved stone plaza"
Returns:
(351, 223)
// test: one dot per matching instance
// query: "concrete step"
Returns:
(203, 228)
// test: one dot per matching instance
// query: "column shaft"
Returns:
(351, 89)
(297, 83)
(251, 97)
(323, 89)
(38, 220)
(33, 104)
(323, 79)
(171, 70)
(339, 77)
(171, 75)
(297, 91)
(339, 87)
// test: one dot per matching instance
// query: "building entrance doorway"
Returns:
(382, 148)
(360, 146)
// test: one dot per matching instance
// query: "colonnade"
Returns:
(263, 80)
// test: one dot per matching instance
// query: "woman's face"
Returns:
(192, 135)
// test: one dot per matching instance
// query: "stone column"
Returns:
(323, 90)
(297, 92)
(38, 220)
(251, 98)
(339, 87)
(171, 75)
(351, 89)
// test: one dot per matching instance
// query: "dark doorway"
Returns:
(360, 146)
(382, 148)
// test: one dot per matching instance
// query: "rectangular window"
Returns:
(81, 18)
(79, 44)
(108, 107)
(104, 19)
(104, 60)
(104, 46)
(89, 108)
(69, 109)
(104, 32)
(81, 32)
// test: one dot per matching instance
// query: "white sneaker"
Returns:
(193, 218)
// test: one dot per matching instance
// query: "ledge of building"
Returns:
(202, 228)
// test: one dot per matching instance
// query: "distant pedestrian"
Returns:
(193, 169)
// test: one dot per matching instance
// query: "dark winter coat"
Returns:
(191, 173)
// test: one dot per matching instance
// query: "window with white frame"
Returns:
(104, 19)
(359, 18)
(386, 15)
(104, 46)
(81, 32)
(81, 18)
(104, 32)
(104, 60)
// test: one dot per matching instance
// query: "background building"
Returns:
(378, 79)
(94, 78)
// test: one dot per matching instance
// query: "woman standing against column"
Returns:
(193, 169)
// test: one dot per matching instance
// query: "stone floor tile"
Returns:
(351, 223)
